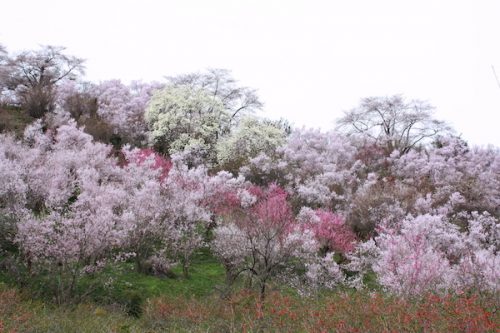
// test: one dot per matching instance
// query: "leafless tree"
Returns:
(3, 53)
(3, 66)
(496, 76)
(393, 122)
(32, 77)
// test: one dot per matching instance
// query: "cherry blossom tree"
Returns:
(317, 169)
(143, 216)
(32, 76)
(393, 122)
(13, 192)
(430, 254)
(188, 218)
(77, 98)
(480, 258)
(3, 72)
(123, 107)
(411, 262)
(75, 204)
(171, 207)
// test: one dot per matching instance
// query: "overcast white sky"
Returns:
(309, 60)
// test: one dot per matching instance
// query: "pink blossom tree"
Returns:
(123, 107)
(75, 208)
(410, 262)
(270, 241)
(317, 169)
(329, 229)
(429, 253)
(13, 192)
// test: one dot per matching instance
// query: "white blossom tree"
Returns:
(186, 118)
(237, 100)
(250, 138)
(393, 122)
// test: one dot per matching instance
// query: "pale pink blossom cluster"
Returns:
(387, 198)
(123, 106)
(431, 254)
(424, 215)
(321, 211)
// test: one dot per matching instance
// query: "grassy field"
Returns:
(133, 302)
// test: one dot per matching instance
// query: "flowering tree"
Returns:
(13, 192)
(429, 253)
(317, 169)
(75, 204)
(219, 83)
(453, 178)
(413, 261)
(33, 76)
(170, 208)
(145, 223)
(187, 217)
(110, 111)
(479, 257)
(157, 162)
(123, 107)
(3, 71)
(251, 138)
(185, 118)
(393, 122)
(270, 241)
(77, 98)
(329, 229)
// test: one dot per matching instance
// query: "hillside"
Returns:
(14, 120)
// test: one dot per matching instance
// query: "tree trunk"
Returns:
(262, 292)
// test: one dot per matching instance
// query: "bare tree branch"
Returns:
(392, 122)
(495, 74)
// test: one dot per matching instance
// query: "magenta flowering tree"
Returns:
(160, 163)
(329, 229)
(271, 242)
